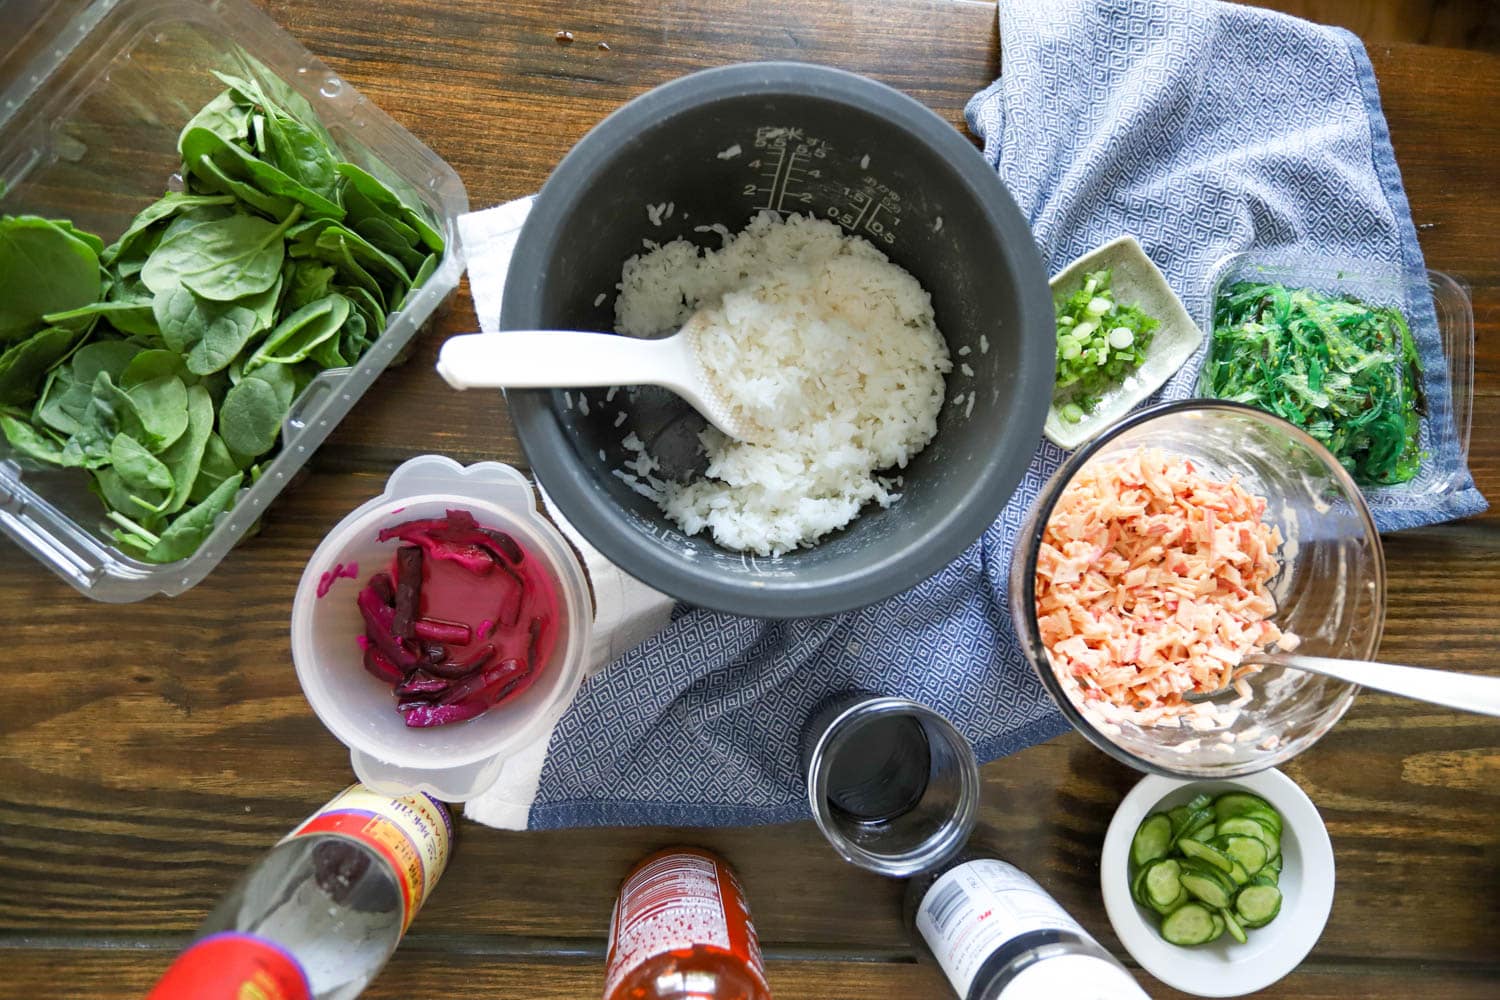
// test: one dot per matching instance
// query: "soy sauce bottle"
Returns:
(319, 914)
(998, 935)
(681, 930)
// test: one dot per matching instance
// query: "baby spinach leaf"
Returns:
(43, 269)
(190, 528)
(97, 356)
(220, 260)
(250, 417)
(242, 166)
(213, 177)
(296, 336)
(211, 334)
(109, 411)
(164, 207)
(309, 282)
(23, 365)
(267, 90)
(142, 507)
(386, 200)
(216, 466)
(152, 364)
(137, 467)
(381, 234)
(62, 402)
(349, 269)
(226, 116)
(419, 279)
(160, 406)
(95, 243)
(301, 154)
(129, 317)
(368, 306)
(30, 441)
(185, 457)
(329, 240)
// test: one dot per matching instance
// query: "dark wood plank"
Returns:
(483, 975)
(140, 775)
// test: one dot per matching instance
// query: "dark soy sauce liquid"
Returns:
(880, 770)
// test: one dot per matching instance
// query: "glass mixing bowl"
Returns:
(1330, 591)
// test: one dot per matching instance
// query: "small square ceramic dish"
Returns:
(1225, 968)
(1135, 281)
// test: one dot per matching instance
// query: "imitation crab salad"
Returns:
(1151, 583)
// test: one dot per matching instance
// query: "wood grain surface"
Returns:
(150, 752)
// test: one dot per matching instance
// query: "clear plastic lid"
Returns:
(1441, 319)
(92, 98)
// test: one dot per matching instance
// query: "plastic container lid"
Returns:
(92, 97)
(454, 762)
(1435, 306)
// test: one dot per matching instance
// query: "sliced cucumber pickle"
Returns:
(1209, 867)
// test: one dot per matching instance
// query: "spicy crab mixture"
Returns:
(1151, 582)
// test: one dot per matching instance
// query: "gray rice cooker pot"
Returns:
(718, 147)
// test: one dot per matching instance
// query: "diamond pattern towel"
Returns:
(1202, 128)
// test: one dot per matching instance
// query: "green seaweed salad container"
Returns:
(93, 96)
(1438, 313)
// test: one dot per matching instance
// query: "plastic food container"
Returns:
(454, 762)
(1439, 314)
(1330, 590)
(94, 96)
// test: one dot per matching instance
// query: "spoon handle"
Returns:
(557, 359)
(1466, 692)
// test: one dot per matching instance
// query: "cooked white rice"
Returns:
(820, 341)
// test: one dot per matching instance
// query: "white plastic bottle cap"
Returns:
(1076, 977)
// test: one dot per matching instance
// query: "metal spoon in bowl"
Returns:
(1465, 692)
(554, 359)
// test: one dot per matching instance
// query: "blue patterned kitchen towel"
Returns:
(1202, 128)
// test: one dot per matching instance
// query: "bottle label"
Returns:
(233, 966)
(413, 833)
(675, 900)
(977, 907)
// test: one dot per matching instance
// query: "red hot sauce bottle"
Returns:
(681, 930)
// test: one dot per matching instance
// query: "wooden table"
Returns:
(150, 752)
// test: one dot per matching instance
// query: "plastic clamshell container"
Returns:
(1439, 314)
(94, 96)
(454, 762)
(1135, 280)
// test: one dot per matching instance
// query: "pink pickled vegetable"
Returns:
(384, 587)
(437, 630)
(422, 716)
(378, 627)
(492, 676)
(451, 670)
(408, 590)
(380, 667)
(420, 682)
(444, 629)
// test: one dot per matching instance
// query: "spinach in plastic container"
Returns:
(166, 363)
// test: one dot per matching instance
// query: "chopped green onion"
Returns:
(1099, 343)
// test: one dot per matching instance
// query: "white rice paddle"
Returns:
(1465, 692)
(557, 359)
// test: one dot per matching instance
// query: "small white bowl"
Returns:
(1135, 280)
(1224, 968)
